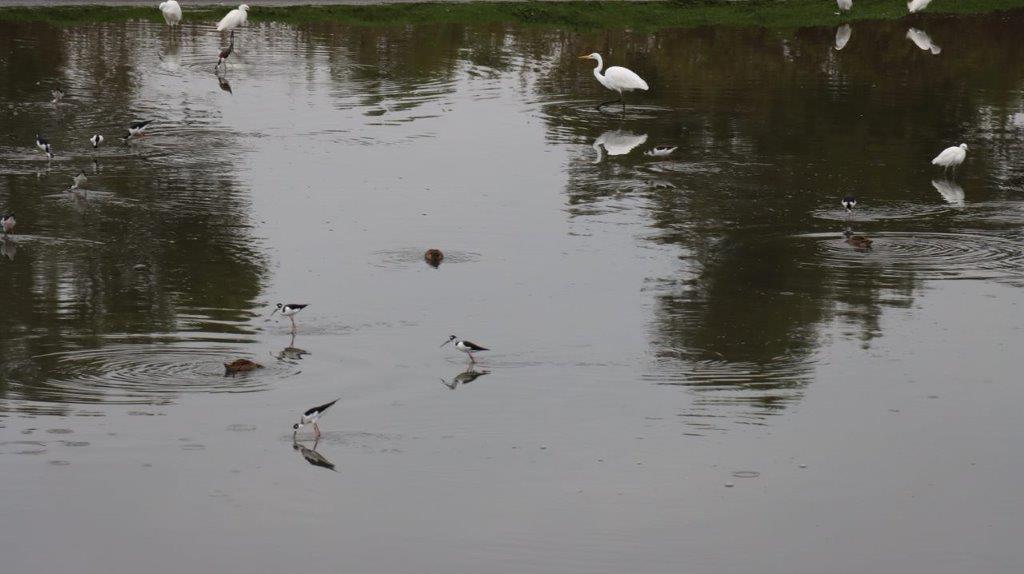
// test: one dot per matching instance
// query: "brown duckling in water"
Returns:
(433, 257)
(241, 366)
(857, 241)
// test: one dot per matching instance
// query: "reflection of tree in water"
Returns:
(166, 246)
(772, 128)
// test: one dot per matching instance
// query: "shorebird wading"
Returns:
(44, 146)
(136, 129)
(289, 311)
(467, 347)
(311, 417)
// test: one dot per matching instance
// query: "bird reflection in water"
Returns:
(616, 142)
(8, 248)
(224, 83)
(843, 34)
(291, 352)
(950, 191)
(922, 40)
(464, 378)
(313, 457)
(858, 242)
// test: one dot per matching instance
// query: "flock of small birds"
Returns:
(615, 78)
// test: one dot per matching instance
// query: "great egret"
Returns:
(845, 5)
(616, 78)
(951, 157)
(234, 18)
(843, 34)
(171, 11)
(951, 193)
(923, 41)
(917, 5)
(617, 142)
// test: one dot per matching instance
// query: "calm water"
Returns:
(691, 370)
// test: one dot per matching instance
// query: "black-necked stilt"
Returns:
(79, 181)
(311, 417)
(96, 141)
(44, 145)
(312, 456)
(433, 257)
(136, 129)
(234, 18)
(661, 151)
(224, 53)
(7, 222)
(240, 366)
(849, 202)
(58, 95)
(289, 311)
(467, 347)
(857, 241)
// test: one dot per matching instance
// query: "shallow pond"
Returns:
(691, 370)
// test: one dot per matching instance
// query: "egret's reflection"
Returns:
(950, 191)
(465, 377)
(617, 142)
(8, 248)
(843, 36)
(313, 457)
(170, 60)
(923, 41)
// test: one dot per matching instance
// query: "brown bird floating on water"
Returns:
(857, 241)
(241, 366)
(433, 257)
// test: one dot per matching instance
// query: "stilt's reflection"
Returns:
(313, 457)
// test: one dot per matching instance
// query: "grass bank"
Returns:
(575, 15)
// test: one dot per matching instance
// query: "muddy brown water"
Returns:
(660, 327)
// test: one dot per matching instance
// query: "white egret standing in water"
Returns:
(616, 78)
(923, 41)
(845, 5)
(917, 5)
(171, 11)
(234, 18)
(843, 34)
(951, 157)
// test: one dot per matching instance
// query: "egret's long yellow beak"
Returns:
(587, 57)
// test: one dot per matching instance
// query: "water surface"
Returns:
(691, 369)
